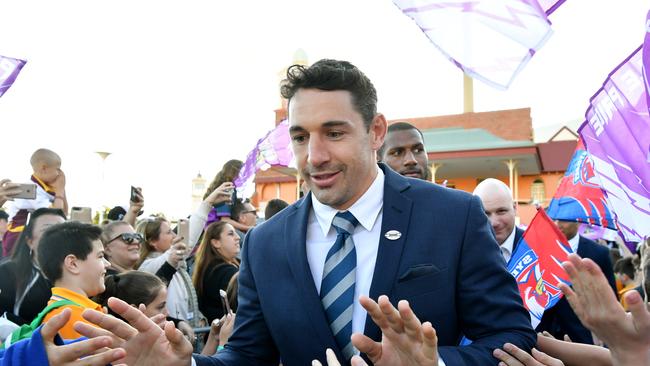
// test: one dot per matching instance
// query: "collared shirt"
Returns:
(508, 245)
(321, 235)
(573, 242)
(60, 293)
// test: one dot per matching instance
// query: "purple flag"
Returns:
(617, 136)
(9, 70)
(273, 149)
(490, 40)
(646, 57)
(550, 6)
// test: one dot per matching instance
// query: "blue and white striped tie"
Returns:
(337, 288)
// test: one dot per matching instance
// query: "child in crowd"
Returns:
(50, 192)
(72, 257)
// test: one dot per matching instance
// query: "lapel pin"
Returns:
(393, 235)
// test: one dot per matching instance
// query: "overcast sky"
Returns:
(172, 88)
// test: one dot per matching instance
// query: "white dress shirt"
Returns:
(573, 242)
(508, 245)
(321, 235)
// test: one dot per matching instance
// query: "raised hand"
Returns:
(512, 355)
(405, 341)
(145, 343)
(626, 334)
(93, 351)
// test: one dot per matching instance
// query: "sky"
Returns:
(174, 88)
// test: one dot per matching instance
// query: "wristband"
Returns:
(220, 348)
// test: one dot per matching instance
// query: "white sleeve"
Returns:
(197, 222)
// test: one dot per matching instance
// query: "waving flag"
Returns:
(550, 6)
(536, 265)
(9, 70)
(490, 40)
(272, 149)
(617, 137)
(579, 196)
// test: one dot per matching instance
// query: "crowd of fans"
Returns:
(55, 268)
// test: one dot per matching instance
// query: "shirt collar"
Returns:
(60, 293)
(509, 244)
(365, 210)
(573, 242)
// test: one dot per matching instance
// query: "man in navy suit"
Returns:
(501, 211)
(411, 240)
(561, 320)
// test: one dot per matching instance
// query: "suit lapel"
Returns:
(295, 232)
(396, 216)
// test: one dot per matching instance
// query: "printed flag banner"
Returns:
(271, 150)
(536, 265)
(489, 40)
(617, 136)
(579, 196)
(9, 70)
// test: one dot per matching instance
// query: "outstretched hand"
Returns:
(145, 343)
(93, 351)
(626, 334)
(405, 341)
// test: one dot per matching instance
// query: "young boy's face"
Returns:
(49, 173)
(93, 269)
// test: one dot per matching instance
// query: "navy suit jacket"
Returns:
(560, 319)
(518, 234)
(446, 264)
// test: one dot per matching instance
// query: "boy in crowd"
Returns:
(50, 192)
(71, 255)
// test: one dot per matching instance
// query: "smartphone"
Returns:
(224, 302)
(134, 194)
(27, 191)
(81, 214)
(184, 230)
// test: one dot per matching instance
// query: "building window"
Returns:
(537, 192)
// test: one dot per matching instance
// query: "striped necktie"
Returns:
(337, 288)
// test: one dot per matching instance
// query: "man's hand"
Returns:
(93, 351)
(405, 341)
(332, 361)
(627, 335)
(7, 191)
(512, 355)
(144, 342)
(223, 193)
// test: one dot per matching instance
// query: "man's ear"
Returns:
(71, 264)
(377, 131)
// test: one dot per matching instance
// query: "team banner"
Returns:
(274, 149)
(490, 40)
(617, 137)
(536, 264)
(9, 70)
(579, 196)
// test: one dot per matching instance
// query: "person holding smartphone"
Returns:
(216, 263)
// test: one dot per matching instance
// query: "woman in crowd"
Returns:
(160, 246)
(216, 263)
(24, 291)
(121, 246)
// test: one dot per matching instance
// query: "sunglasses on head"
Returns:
(128, 238)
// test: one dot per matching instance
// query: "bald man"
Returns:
(501, 211)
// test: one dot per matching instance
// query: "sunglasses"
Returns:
(128, 238)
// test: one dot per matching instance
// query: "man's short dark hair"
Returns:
(625, 266)
(397, 126)
(237, 209)
(61, 240)
(4, 215)
(331, 75)
(273, 207)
